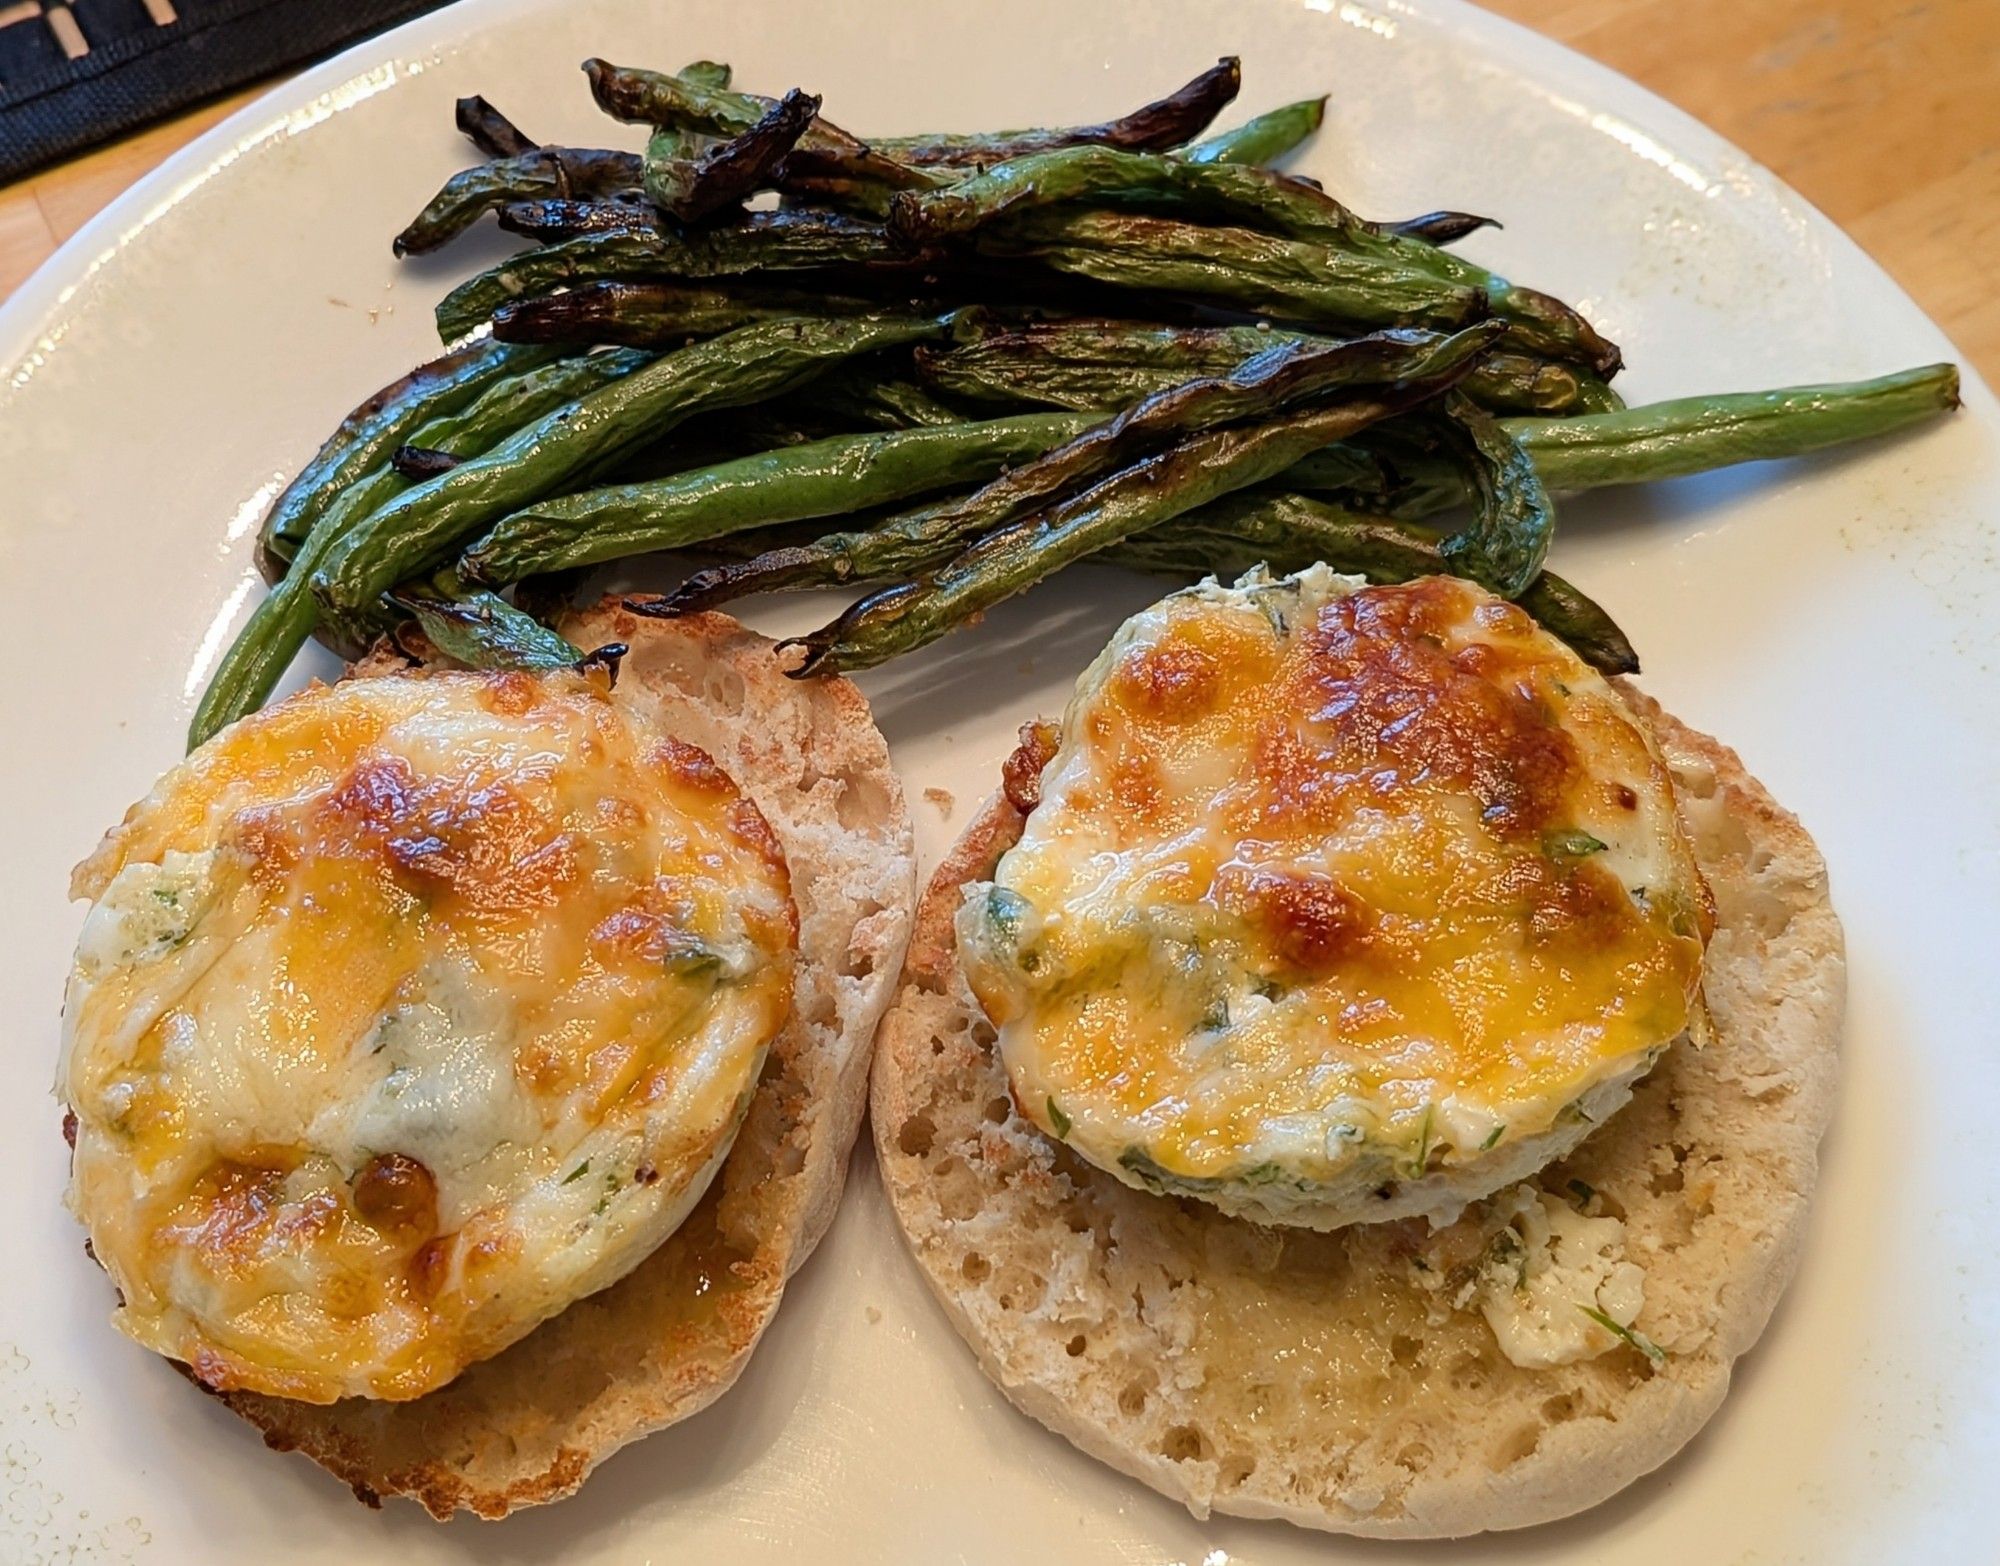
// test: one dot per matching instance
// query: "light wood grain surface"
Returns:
(1885, 113)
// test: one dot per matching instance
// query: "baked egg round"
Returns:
(407, 1012)
(1339, 903)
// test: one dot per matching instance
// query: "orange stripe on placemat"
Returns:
(26, 11)
(162, 12)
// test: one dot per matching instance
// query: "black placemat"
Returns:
(77, 72)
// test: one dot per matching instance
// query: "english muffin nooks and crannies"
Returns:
(1519, 1356)
(409, 1011)
(1338, 905)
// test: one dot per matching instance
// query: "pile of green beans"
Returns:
(941, 367)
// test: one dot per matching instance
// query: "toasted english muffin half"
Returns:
(528, 1425)
(1368, 1380)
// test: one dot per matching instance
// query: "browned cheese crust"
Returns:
(1308, 1376)
(528, 1425)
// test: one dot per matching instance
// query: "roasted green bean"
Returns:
(1229, 193)
(480, 629)
(679, 103)
(692, 189)
(1696, 434)
(1263, 139)
(385, 421)
(1691, 435)
(551, 221)
(547, 173)
(865, 396)
(893, 546)
(1441, 228)
(1288, 532)
(933, 535)
(653, 315)
(422, 526)
(1082, 363)
(832, 477)
(1235, 194)
(526, 392)
(1200, 468)
(489, 130)
(1156, 332)
(1178, 117)
(763, 241)
(1236, 267)
(421, 462)
(291, 612)
(667, 143)
(711, 74)
(1507, 537)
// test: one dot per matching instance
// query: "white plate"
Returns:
(1834, 620)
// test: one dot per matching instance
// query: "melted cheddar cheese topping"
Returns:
(1328, 883)
(409, 1011)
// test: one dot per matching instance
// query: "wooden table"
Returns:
(1885, 115)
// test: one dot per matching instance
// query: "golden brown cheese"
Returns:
(1330, 884)
(408, 1012)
